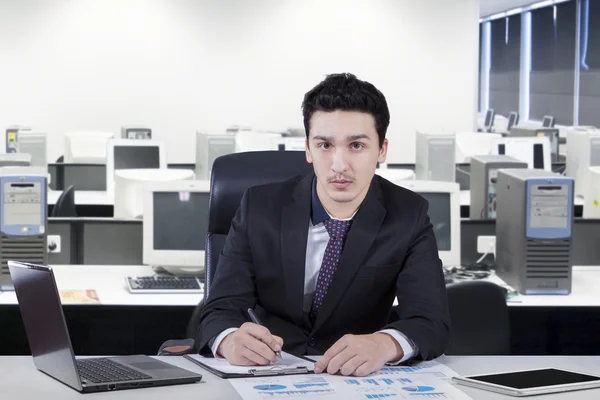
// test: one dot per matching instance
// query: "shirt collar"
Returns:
(318, 212)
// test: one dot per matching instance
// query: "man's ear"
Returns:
(383, 152)
(307, 152)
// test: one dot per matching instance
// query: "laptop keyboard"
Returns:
(99, 370)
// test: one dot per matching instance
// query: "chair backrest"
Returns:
(65, 205)
(231, 175)
(479, 317)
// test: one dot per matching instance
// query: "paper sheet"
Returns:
(77, 296)
(287, 361)
(425, 381)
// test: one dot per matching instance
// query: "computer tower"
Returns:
(550, 133)
(435, 158)
(534, 222)
(483, 179)
(34, 144)
(208, 148)
(583, 152)
(23, 218)
(12, 139)
(136, 132)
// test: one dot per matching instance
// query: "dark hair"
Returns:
(347, 93)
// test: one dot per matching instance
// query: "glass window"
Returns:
(552, 79)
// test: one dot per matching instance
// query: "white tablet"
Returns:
(531, 382)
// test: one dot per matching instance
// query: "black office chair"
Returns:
(479, 316)
(231, 175)
(65, 205)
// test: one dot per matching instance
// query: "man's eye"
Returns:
(357, 146)
(324, 146)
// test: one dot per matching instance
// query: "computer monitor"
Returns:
(209, 147)
(583, 152)
(435, 156)
(86, 147)
(295, 143)
(591, 199)
(251, 140)
(548, 121)
(489, 119)
(136, 132)
(131, 185)
(513, 120)
(535, 151)
(444, 215)
(132, 154)
(469, 144)
(175, 225)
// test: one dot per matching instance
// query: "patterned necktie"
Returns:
(337, 232)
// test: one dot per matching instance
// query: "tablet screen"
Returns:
(537, 378)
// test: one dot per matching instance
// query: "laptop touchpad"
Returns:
(148, 365)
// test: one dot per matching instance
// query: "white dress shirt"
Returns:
(315, 250)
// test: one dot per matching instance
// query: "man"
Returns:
(321, 257)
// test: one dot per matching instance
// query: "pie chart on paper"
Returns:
(269, 387)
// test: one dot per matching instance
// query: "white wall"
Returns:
(181, 65)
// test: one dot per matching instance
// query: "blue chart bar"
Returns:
(352, 382)
(430, 395)
(307, 385)
(380, 395)
(372, 381)
(388, 381)
(404, 380)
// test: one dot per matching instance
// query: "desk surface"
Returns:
(20, 379)
(84, 197)
(584, 292)
(109, 283)
(100, 197)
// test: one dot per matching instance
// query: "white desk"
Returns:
(584, 292)
(20, 379)
(465, 199)
(109, 283)
(84, 197)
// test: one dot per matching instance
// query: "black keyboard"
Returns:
(100, 370)
(164, 284)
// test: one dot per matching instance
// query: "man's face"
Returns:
(343, 147)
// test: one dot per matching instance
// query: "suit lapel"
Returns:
(362, 234)
(294, 235)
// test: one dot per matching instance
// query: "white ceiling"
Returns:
(489, 7)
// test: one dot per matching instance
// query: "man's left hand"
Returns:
(359, 355)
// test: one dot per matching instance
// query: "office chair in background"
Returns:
(479, 319)
(231, 175)
(65, 205)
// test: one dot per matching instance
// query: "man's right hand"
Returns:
(252, 344)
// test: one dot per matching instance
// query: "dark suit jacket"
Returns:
(390, 251)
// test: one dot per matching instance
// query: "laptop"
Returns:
(51, 347)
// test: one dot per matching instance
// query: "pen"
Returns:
(255, 319)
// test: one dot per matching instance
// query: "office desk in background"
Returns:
(84, 197)
(21, 379)
(121, 323)
(124, 323)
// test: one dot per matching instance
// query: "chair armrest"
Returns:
(177, 347)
